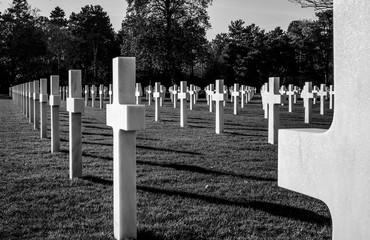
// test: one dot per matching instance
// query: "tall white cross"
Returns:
(54, 112)
(125, 117)
(30, 99)
(191, 96)
(322, 94)
(138, 93)
(110, 93)
(43, 108)
(86, 95)
(307, 96)
(290, 93)
(333, 165)
(101, 87)
(331, 99)
(149, 92)
(175, 96)
(183, 96)
(93, 95)
(219, 98)
(36, 104)
(75, 107)
(157, 96)
(235, 94)
(273, 99)
(243, 97)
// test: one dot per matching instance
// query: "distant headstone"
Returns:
(110, 94)
(93, 95)
(219, 98)
(210, 94)
(226, 92)
(43, 107)
(296, 94)
(191, 96)
(36, 105)
(307, 96)
(333, 165)
(273, 99)
(235, 94)
(27, 102)
(315, 91)
(322, 94)
(290, 93)
(138, 93)
(75, 107)
(54, 112)
(101, 94)
(264, 103)
(163, 95)
(157, 96)
(30, 99)
(86, 93)
(243, 98)
(175, 96)
(331, 98)
(182, 97)
(125, 125)
(149, 94)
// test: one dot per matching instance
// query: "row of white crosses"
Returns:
(103, 93)
(32, 99)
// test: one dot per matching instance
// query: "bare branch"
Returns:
(317, 4)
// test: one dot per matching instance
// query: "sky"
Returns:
(267, 14)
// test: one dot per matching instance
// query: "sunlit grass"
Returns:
(191, 183)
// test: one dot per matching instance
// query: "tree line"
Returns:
(168, 39)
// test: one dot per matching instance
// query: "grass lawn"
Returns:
(191, 183)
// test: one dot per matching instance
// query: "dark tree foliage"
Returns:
(22, 45)
(166, 36)
(95, 42)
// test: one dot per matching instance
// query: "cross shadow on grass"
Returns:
(275, 209)
(167, 150)
(197, 169)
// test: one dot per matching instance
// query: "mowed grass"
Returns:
(191, 182)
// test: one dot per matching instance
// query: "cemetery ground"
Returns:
(191, 182)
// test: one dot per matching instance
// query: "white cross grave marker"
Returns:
(192, 96)
(219, 98)
(157, 95)
(75, 107)
(273, 99)
(93, 95)
(30, 100)
(125, 117)
(36, 105)
(54, 112)
(43, 107)
(331, 99)
(235, 95)
(315, 91)
(86, 94)
(175, 96)
(138, 93)
(243, 97)
(333, 165)
(323, 94)
(307, 96)
(211, 91)
(101, 88)
(183, 96)
(110, 94)
(290, 93)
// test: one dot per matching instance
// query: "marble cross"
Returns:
(43, 108)
(86, 95)
(322, 94)
(307, 96)
(54, 112)
(290, 93)
(30, 99)
(273, 99)
(218, 97)
(75, 107)
(125, 117)
(157, 95)
(183, 96)
(235, 94)
(138, 93)
(331, 97)
(36, 104)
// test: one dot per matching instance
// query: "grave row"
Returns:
(273, 95)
